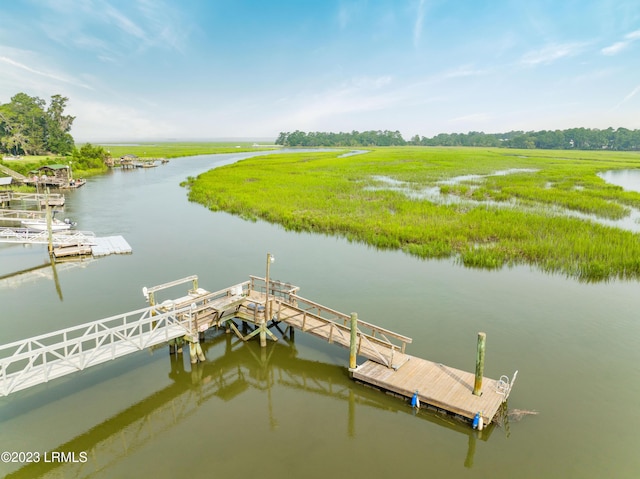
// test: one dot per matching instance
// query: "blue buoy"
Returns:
(415, 401)
(476, 420)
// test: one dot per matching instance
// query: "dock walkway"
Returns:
(41, 199)
(37, 360)
(264, 304)
(439, 386)
(69, 242)
(13, 174)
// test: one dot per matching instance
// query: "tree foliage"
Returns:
(28, 127)
(355, 138)
(89, 157)
(573, 138)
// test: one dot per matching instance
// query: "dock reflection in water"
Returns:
(232, 370)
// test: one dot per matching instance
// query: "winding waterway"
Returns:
(290, 410)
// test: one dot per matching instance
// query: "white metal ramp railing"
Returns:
(25, 235)
(37, 360)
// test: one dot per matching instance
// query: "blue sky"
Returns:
(205, 69)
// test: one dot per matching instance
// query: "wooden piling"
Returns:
(353, 345)
(477, 387)
(267, 305)
(193, 353)
(49, 229)
(200, 353)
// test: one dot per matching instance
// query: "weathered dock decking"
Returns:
(439, 386)
(263, 303)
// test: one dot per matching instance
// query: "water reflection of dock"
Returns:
(234, 369)
(249, 309)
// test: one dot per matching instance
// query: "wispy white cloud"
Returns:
(621, 45)
(418, 25)
(614, 48)
(44, 74)
(628, 97)
(123, 22)
(165, 24)
(90, 25)
(362, 97)
(551, 53)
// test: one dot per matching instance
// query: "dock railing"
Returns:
(58, 238)
(39, 359)
(371, 332)
(277, 289)
(212, 306)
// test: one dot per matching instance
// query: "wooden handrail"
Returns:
(372, 327)
(170, 284)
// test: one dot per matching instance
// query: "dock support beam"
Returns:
(477, 387)
(353, 345)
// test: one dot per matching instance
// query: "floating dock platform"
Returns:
(438, 386)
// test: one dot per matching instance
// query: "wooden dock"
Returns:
(260, 304)
(68, 243)
(51, 199)
(438, 386)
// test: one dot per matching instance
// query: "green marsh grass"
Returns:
(321, 192)
(178, 149)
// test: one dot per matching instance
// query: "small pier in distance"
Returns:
(41, 199)
(260, 305)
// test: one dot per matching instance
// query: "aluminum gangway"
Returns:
(59, 238)
(36, 360)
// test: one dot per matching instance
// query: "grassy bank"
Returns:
(25, 164)
(178, 149)
(379, 198)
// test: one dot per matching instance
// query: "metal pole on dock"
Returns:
(482, 339)
(353, 346)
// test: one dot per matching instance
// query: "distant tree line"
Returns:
(355, 138)
(573, 138)
(29, 127)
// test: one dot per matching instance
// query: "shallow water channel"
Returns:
(290, 410)
(627, 179)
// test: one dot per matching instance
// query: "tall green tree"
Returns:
(89, 157)
(28, 127)
(59, 140)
